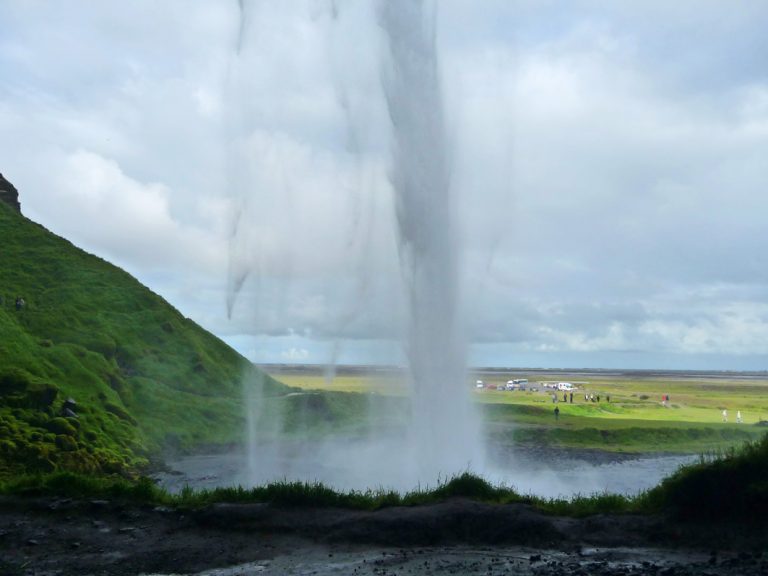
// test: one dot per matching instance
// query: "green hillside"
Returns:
(144, 377)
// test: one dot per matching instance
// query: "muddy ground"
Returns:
(66, 537)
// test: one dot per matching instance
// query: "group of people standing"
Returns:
(555, 398)
(568, 398)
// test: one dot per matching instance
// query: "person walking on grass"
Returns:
(557, 413)
(725, 415)
(738, 417)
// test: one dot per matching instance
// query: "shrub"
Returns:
(42, 396)
(66, 443)
(14, 380)
(61, 426)
(7, 446)
(119, 412)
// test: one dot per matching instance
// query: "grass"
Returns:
(144, 377)
(633, 421)
(535, 425)
(387, 385)
(731, 486)
(300, 494)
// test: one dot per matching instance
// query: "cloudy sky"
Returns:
(608, 164)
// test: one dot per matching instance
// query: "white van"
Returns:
(520, 384)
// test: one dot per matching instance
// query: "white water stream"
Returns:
(442, 437)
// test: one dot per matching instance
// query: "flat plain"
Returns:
(631, 415)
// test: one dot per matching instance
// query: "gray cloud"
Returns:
(608, 160)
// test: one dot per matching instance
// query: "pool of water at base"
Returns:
(542, 472)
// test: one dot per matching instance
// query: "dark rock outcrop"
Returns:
(9, 194)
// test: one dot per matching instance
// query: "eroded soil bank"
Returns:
(65, 537)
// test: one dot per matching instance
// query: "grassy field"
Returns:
(634, 420)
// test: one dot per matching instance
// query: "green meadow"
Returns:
(634, 420)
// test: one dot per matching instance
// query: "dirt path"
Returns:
(62, 537)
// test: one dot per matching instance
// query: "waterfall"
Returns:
(442, 436)
(445, 428)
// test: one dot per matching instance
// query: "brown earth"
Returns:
(64, 537)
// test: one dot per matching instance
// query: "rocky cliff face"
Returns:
(9, 194)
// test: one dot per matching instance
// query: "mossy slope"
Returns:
(144, 377)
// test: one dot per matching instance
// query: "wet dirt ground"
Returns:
(46, 537)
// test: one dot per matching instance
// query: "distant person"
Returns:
(725, 415)
(598, 398)
(554, 398)
(738, 417)
(557, 413)
(571, 397)
(607, 397)
(20, 303)
(565, 396)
